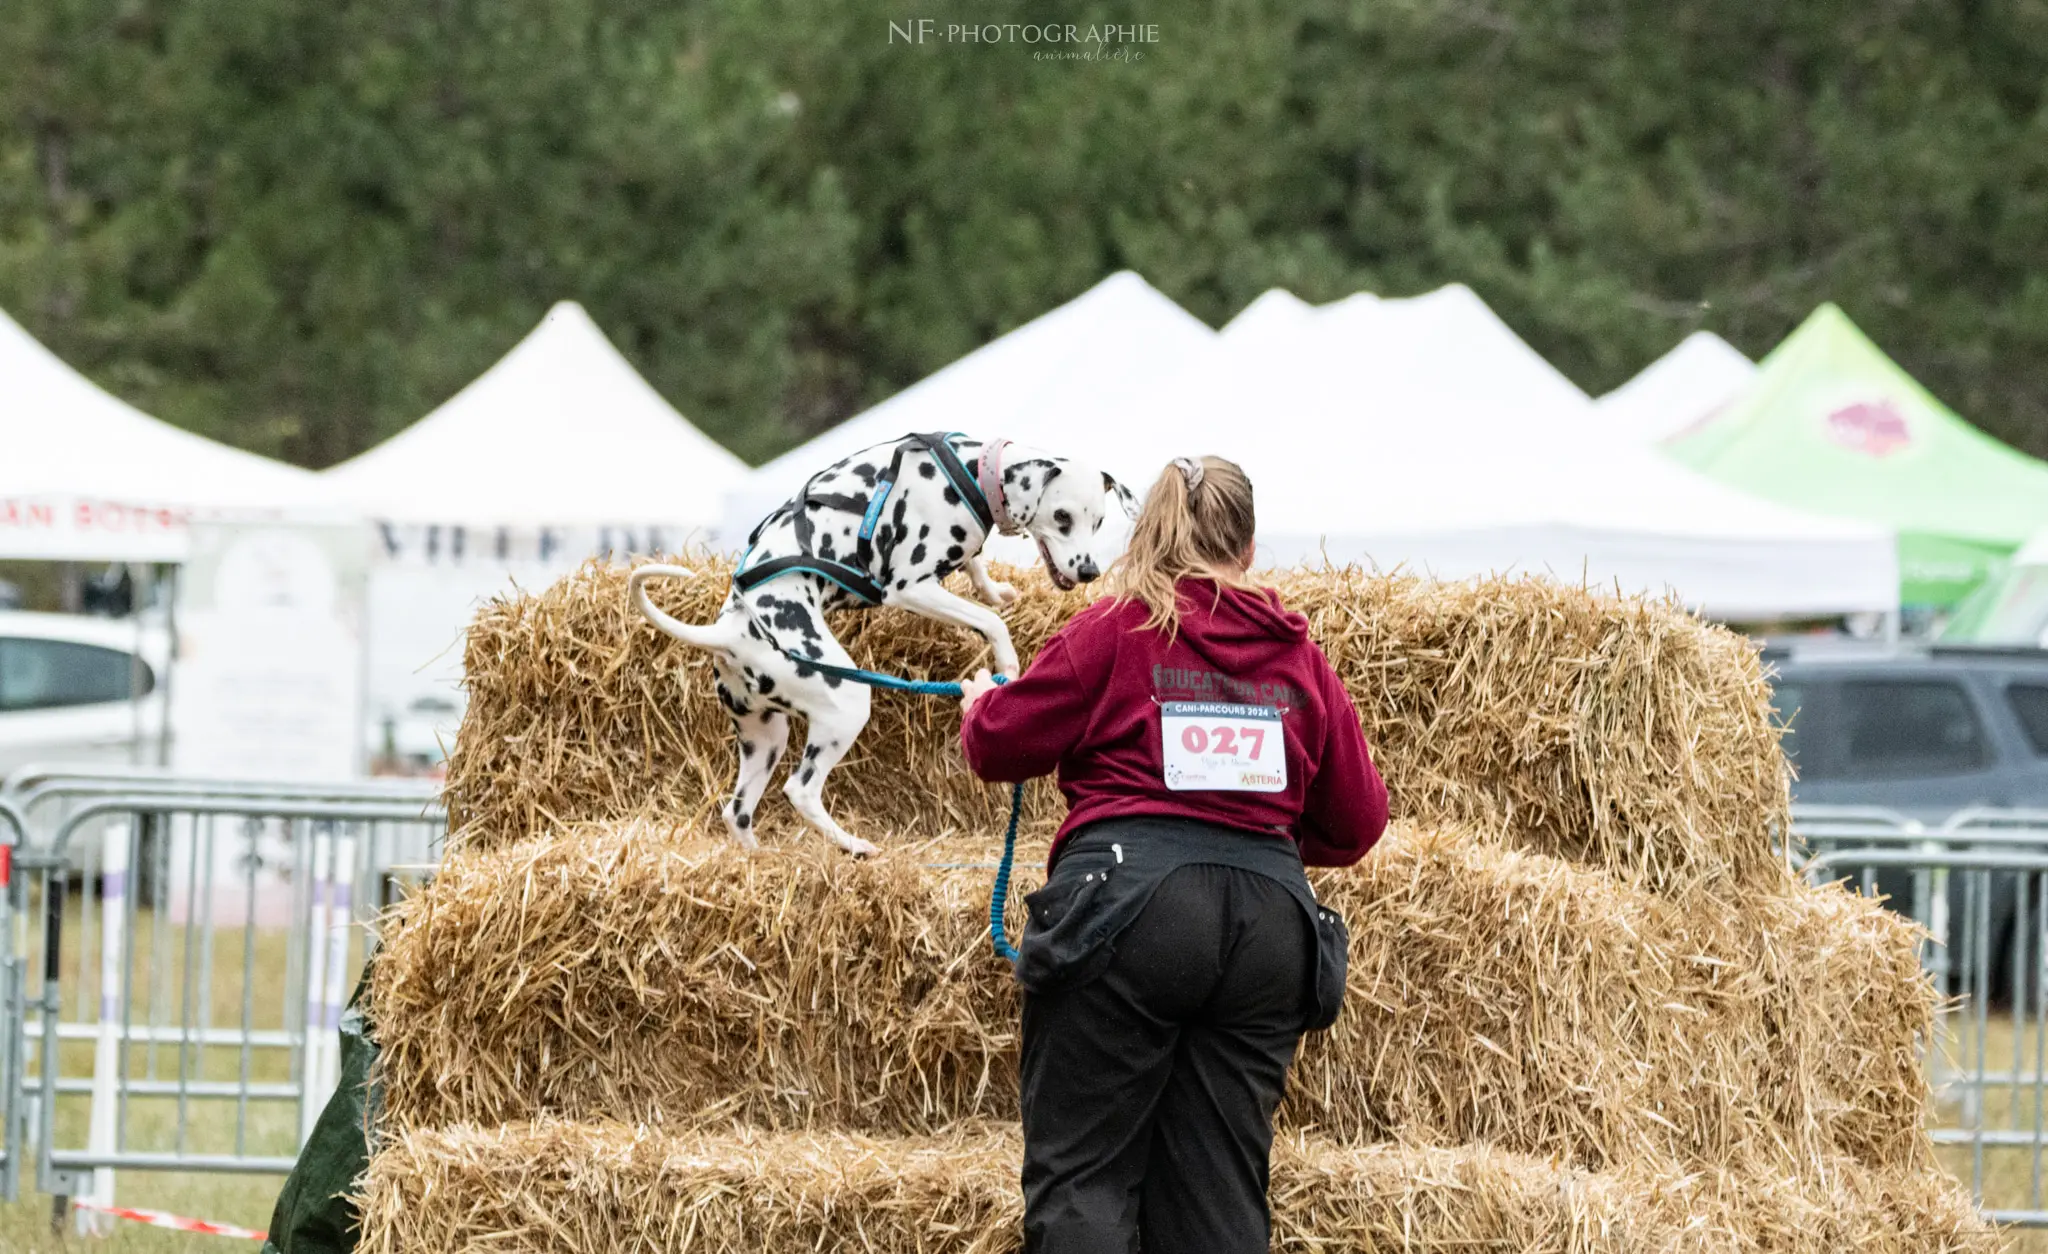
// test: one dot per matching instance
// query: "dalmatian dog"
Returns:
(883, 527)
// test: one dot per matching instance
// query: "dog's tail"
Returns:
(718, 636)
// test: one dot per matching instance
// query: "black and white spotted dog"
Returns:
(883, 527)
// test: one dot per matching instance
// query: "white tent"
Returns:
(2011, 609)
(561, 432)
(1677, 390)
(1424, 433)
(558, 452)
(1274, 309)
(1075, 381)
(87, 477)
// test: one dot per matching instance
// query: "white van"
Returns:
(77, 689)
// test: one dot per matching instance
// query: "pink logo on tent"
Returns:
(1875, 428)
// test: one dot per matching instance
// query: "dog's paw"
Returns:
(859, 848)
(1000, 593)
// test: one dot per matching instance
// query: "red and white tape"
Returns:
(159, 1219)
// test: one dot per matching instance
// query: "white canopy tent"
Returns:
(561, 432)
(559, 452)
(1424, 433)
(1677, 390)
(1273, 309)
(2011, 609)
(85, 476)
(1074, 381)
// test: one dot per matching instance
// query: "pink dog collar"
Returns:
(990, 472)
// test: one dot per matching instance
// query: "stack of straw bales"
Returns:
(548, 1187)
(1614, 733)
(1589, 1010)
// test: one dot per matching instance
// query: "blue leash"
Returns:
(1000, 893)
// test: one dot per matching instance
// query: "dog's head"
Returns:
(1060, 503)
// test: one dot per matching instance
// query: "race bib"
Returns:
(1223, 748)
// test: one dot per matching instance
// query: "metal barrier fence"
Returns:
(177, 959)
(1978, 885)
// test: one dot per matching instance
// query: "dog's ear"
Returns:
(1123, 495)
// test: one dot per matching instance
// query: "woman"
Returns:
(1207, 751)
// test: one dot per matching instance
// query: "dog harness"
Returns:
(853, 576)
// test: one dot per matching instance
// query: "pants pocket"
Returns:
(1064, 943)
(1333, 966)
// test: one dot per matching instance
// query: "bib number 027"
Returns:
(1213, 747)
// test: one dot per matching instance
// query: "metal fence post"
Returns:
(13, 1016)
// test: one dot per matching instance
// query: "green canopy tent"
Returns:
(1830, 424)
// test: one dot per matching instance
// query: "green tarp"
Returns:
(1832, 425)
(313, 1213)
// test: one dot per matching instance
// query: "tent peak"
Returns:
(1125, 284)
(1122, 297)
(1276, 306)
(536, 438)
(1357, 300)
(1827, 320)
(568, 309)
(1696, 378)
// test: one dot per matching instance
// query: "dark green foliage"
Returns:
(298, 226)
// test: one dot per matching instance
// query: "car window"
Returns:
(51, 674)
(1909, 728)
(2030, 703)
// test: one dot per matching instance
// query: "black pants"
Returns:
(1148, 1092)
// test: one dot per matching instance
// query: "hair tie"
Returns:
(1191, 470)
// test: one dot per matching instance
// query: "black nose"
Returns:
(1087, 570)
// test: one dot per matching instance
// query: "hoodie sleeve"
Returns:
(1026, 727)
(1346, 808)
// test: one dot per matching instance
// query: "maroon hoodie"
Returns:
(1089, 706)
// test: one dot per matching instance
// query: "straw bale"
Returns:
(1495, 996)
(1614, 731)
(1513, 998)
(1827, 1207)
(671, 978)
(1849, 1011)
(568, 1188)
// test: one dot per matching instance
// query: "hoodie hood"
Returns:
(1239, 617)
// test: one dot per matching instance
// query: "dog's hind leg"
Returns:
(761, 733)
(832, 727)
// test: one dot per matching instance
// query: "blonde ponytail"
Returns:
(1197, 521)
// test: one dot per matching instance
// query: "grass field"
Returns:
(2009, 1175)
(271, 1127)
(2012, 1178)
